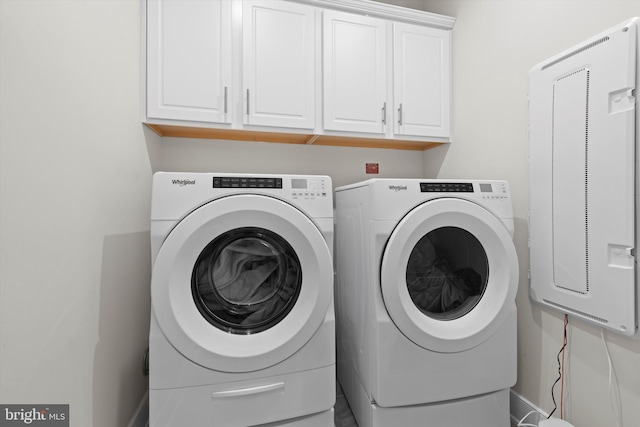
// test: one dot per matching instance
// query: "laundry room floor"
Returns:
(343, 416)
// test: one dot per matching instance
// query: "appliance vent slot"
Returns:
(570, 152)
(586, 181)
(576, 312)
(575, 52)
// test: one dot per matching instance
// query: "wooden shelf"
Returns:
(288, 138)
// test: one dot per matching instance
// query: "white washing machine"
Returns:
(427, 275)
(242, 326)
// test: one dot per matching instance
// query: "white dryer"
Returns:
(242, 326)
(426, 279)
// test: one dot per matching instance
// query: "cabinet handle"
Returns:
(225, 100)
(400, 115)
(247, 102)
(384, 113)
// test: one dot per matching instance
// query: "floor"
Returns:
(343, 416)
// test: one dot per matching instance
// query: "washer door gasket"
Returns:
(182, 304)
(246, 280)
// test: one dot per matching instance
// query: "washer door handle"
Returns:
(247, 391)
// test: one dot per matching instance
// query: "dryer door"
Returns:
(242, 283)
(449, 275)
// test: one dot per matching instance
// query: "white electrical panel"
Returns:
(583, 219)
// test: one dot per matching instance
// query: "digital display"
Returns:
(486, 188)
(299, 184)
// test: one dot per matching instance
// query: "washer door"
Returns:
(242, 283)
(449, 275)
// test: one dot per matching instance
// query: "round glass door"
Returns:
(246, 280)
(242, 283)
(447, 273)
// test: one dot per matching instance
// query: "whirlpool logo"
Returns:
(397, 188)
(183, 182)
(34, 415)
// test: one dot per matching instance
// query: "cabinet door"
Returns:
(355, 78)
(421, 87)
(189, 60)
(279, 64)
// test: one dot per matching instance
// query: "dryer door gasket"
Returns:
(477, 317)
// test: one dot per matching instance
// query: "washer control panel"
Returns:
(246, 182)
(309, 188)
(298, 188)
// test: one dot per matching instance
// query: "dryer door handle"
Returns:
(248, 391)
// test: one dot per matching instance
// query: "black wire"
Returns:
(564, 344)
(145, 362)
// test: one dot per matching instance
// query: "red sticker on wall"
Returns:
(372, 168)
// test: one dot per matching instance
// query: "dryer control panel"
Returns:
(446, 187)
(488, 190)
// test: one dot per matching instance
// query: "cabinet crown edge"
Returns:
(386, 11)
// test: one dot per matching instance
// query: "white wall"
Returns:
(345, 165)
(74, 187)
(495, 43)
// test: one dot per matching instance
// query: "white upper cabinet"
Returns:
(279, 64)
(334, 72)
(421, 86)
(354, 77)
(189, 60)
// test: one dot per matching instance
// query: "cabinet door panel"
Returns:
(421, 81)
(279, 64)
(354, 72)
(188, 60)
